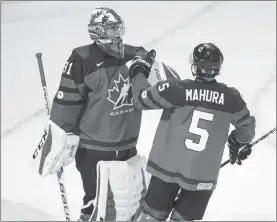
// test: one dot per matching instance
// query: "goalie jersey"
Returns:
(95, 99)
(193, 130)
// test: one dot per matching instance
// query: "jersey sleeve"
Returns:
(70, 97)
(243, 122)
(163, 95)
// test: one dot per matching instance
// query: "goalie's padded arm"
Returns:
(69, 100)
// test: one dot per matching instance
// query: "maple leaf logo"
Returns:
(121, 93)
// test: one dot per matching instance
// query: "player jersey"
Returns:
(193, 130)
(95, 100)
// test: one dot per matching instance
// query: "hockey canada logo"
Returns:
(121, 95)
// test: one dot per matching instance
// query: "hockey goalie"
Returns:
(94, 122)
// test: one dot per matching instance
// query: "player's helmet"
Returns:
(206, 60)
(107, 28)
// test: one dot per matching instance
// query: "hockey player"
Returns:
(188, 146)
(94, 121)
(88, 102)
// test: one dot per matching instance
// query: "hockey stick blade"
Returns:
(252, 144)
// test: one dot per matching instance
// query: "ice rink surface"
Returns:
(246, 34)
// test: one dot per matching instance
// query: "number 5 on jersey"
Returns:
(160, 88)
(194, 129)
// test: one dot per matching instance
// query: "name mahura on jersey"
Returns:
(205, 95)
(120, 94)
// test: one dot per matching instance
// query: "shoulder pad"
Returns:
(88, 52)
(231, 90)
(132, 50)
(82, 50)
(223, 84)
(187, 81)
(234, 91)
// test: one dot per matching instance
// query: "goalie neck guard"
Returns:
(107, 28)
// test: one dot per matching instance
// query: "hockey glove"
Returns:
(234, 146)
(142, 63)
(58, 150)
(244, 154)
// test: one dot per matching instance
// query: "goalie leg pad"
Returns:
(121, 189)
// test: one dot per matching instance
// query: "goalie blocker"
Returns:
(55, 150)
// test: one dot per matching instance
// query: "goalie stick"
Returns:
(60, 174)
(252, 144)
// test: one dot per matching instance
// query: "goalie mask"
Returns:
(107, 28)
(206, 60)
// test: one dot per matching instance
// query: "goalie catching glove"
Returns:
(58, 150)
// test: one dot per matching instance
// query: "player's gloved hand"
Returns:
(234, 146)
(142, 63)
(244, 154)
